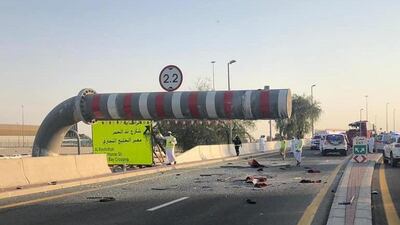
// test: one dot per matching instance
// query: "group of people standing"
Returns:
(296, 146)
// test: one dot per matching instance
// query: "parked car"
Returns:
(391, 152)
(315, 141)
(334, 143)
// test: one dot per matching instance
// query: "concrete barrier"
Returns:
(46, 169)
(92, 165)
(12, 173)
(207, 152)
(41, 170)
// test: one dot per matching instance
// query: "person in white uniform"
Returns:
(298, 150)
(371, 143)
(170, 142)
(262, 143)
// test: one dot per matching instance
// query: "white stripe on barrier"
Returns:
(176, 105)
(210, 105)
(282, 104)
(144, 111)
(112, 106)
(247, 105)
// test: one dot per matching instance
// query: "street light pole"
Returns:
(387, 119)
(312, 103)
(360, 120)
(394, 119)
(22, 128)
(229, 88)
(366, 108)
(213, 62)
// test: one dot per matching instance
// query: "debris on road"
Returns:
(348, 202)
(254, 164)
(234, 167)
(249, 201)
(307, 181)
(102, 199)
(211, 174)
(313, 171)
(260, 184)
(257, 181)
(107, 199)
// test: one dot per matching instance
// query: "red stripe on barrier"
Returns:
(228, 95)
(96, 107)
(160, 105)
(128, 106)
(193, 105)
(264, 104)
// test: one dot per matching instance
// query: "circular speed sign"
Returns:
(171, 78)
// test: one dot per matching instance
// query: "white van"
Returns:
(334, 143)
(391, 151)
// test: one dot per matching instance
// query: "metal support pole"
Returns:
(387, 119)
(23, 123)
(312, 103)
(360, 121)
(79, 140)
(366, 107)
(213, 62)
(270, 130)
(394, 119)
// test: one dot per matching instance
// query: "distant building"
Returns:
(16, 135)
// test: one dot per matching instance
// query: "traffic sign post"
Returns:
(360, 149)
(171, 78)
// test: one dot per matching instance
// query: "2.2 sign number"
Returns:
(167, 80)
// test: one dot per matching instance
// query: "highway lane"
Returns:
(214, 194)
(386, 204)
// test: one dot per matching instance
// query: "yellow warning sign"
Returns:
(124, 141)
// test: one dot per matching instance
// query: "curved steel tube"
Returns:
(89, 107)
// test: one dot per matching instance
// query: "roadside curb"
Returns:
(310, 212)
(363, 213)
(119, 176)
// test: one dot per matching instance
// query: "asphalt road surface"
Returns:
(214, 194)
(386, 201)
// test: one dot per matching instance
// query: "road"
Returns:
(386, 203)
(214, 194)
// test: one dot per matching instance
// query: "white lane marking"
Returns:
(143, 106)
(210, 105)
(167, 204)
(176, 105)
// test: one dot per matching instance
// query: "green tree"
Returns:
(205, 132)
(299, 124)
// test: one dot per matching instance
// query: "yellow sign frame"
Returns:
(124, 141)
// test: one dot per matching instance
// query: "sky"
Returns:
(50, 50)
